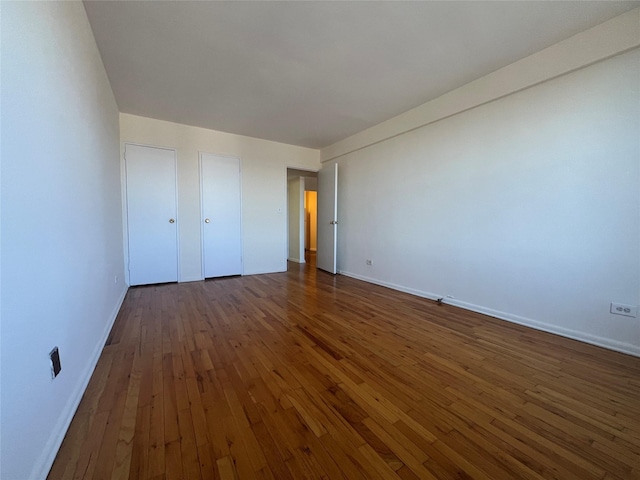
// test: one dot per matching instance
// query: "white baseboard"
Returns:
(393, 286)
(264, 272)
(296, 260)
(190, 279)
(44, 463)
(604, 342)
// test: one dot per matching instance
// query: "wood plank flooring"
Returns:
(304, 375)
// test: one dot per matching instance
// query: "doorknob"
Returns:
(171, 220)
(206, 220)
(333, 222)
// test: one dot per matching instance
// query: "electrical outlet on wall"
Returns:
(626, 310)
(54, 357)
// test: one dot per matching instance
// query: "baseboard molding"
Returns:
(190, 279)
(603, 342)
(265, 272)
(42, 467)
(296, 260)
(393, 286)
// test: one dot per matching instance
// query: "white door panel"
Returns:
(151, 215)
(327, 218)
(221, 215)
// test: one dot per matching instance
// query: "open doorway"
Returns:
(302, 215)
(310, 218)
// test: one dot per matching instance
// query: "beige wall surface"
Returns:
(263, 166)
(62, 250)
(526, 208)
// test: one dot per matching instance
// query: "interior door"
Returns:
(327, 218)
(151, 215)
(221, 215)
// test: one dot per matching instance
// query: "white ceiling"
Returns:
(313, 73)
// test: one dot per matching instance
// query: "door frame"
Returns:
(125, 205)
(201, 212)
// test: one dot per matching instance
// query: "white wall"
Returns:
(295, 213)
(264, 188)
(61, 224)
(311, 183)
(526, 208)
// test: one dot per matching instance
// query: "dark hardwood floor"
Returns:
(305, 375)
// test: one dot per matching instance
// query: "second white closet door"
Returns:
(221, 215)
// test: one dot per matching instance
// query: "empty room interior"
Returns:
(337, 240)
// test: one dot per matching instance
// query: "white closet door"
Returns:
(151, 215)
(221, 215)
(327, 218)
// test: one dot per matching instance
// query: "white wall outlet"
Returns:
(369, 261)
(626, 310)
